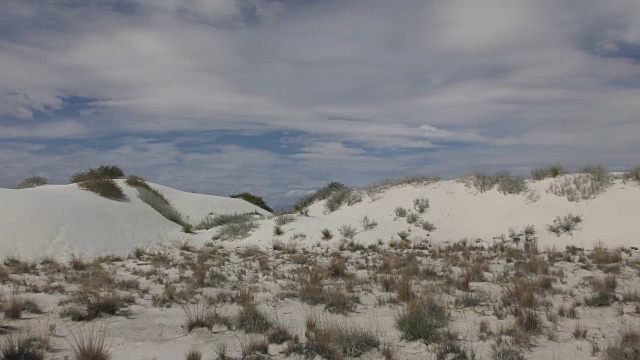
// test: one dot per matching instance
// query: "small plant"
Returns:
(277, 230)
(566, 224)
(354, 198)
(412, 218)
(106, 188)
(13, 308)
(400, 212)
(90, 344)
(193, 354)
(284, 219)
(404, 236)
(326, 234)
(347, 231)
(199, 315)
(279, 334)
(336, 338)
(235, 231)
(368, 224)
(543, 173)
(320, 194)
(503, 350)
(32, 182)
(428, 226)
(420, 205)
(253, 320)
(253, 199)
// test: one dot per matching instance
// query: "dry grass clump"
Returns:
(25, 346)
(520, 293)
(199, 315)
(279, 334)
(335, 338)
(604, 256)
(90, 344)
(632, 175)
(503, 350)
(626, 348)
(88, 304)
(604, 291)
(424, 318)
(106, 188)
(253, 320)
(193, 354)
(32, 182)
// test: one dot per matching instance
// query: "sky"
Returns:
(280, 97)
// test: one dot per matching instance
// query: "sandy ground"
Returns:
(557, 297)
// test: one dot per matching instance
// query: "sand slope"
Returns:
(63, 219)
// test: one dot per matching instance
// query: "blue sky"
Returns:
(279, 97)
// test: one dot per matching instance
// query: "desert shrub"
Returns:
(253, 320)
(590, 182)
(428, 226)
(336, 199)
(347, 231)
(320, 194)
(368, 224)
(604, 292)
(13, 308)
(420, 205)
(106, 188)
(566, 224)
(90, 344)
(354, 197)
(193, 354)
(279, 334)
(253, 199)
(404, 236)
(90, 304)
(160, 204)
(333, 338)
(543, 173)
(626, 348)
(32, 182)
(528, 320)
(99, 173)
(139, 182)
(424, 318)
(27, 346)
(520, 293)
(277, 230)
(483, 182)
(284, 219)
(412, 218)
(511, 184)
(326, 234)
(632, 175)
(254, 349)
(400, 212)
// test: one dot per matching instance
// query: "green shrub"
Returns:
(237, 230)
(347, 231)
(253, 320)
(253, 199)
(102, 172)
(223, 219)
(483, 182)
(320, 194)
(24, 347)
(284, 219)
(337, 198)
(32, 182)
(106, 188)
(423, 319)
(420, 205)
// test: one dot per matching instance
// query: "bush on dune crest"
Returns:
(32, 182)
(321, 194)
(253, 199)
(106, 188)
(157, 201)
(101, 172)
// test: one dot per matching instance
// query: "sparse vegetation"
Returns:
(159, 203)
(26, 346)
(626, 348)
(32, 182)
(400, 212)
(327, 234)
(632, 175)
(334, 338)
(552, 171)
(90, 344)
(589, 183)
(337, 198)
(320, 194)
(511, 184)
(368, 224)
(284, 219)
(421, 205)
(425, 318)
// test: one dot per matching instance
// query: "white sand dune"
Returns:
(63, 219)
(58, 220)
